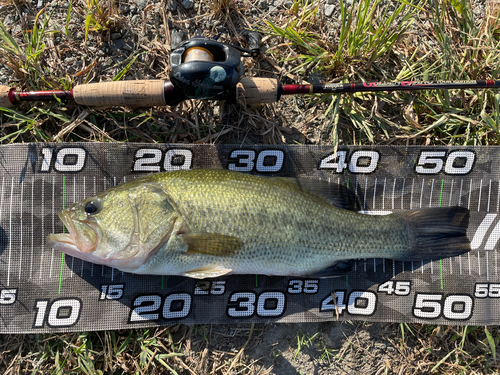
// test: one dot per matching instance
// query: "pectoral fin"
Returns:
(211, 244)
(202, 273)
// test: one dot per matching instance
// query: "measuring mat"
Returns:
(43, 290)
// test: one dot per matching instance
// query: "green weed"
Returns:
(100, 16)
(24, 61)
(368, 31)
(303, 341)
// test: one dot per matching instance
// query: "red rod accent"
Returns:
(43, 95)
(295, 89)
(12, 96)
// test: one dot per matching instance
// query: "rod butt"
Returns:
(140, 93)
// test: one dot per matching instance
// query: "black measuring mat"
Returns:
(42, 290)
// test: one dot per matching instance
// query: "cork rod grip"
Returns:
(258, 90)
(4, 97)
(139, 93)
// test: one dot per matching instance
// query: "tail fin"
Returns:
(436, 233)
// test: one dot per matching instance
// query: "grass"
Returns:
(183, 350)
(24, 61)
(101, 16)
(378, 44)
(370, 41)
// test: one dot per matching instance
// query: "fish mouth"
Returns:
(71, 242)
(63, 242)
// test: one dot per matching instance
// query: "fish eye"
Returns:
(92, 207)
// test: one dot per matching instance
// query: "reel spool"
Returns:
(197, 54)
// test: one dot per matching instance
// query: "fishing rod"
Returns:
(205, 68)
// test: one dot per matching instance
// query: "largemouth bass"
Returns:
(208, 223)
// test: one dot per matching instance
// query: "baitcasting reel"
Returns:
(204, 68)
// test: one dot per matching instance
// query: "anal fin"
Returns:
(211, 271)
(340, 268)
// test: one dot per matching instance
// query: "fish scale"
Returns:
(206, 223)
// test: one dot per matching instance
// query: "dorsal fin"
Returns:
(338, 195)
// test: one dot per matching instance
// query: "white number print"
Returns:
(186, 156)
(329, 304)
(362, 161)
(67, 159)
(432, 162)
(482, 230)
(269, 304)
(241, 305)
(362, 303)
(8, 296)
(354, 166)
(453, 307)
(149, 160)
(469, 157)
(303, 286)
(111, 291)
(204, 287)
(487, 291)
(265, 161)
(145, 304)
(399, 288)
(175, 306)
(337, 164)
(359, 303)
(63, 312)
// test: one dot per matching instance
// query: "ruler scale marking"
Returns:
(411, 207)
(489, 197)
(92, 264)
(21, 232)
(10, 230)
(393, 193)
(430, 205)
(480, 192)
(421, 196)
(53, 222)
(42, 224)
(403, 194)
(451, 193)
(32, 226)
(74, 200)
